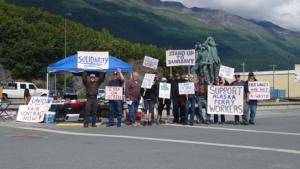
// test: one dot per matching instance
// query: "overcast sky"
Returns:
(285, 13)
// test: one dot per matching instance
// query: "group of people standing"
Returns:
(183, 106)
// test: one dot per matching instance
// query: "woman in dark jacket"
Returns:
(150, 98)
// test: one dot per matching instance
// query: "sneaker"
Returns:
(109, 125)
(251, 122)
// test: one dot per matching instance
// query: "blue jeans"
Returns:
(115, 106)
(190, 109)
(203, 103)
(252, 106)
(148, 106)
(133, 108)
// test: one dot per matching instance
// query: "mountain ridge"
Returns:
(172, 25)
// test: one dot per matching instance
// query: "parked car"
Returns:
(101, 94)
(15, 90)
(70, 93)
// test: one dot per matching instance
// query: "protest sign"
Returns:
(228, 100)
(164, 90)
(92, 60)
(226, 72)
(259, 90)
(186, 88)
(44, 102)
(180, 57)
(35, 110)
(113, 93)
(148, 81)
(150, 62)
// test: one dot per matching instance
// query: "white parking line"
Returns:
(289, 151)
(234, 129)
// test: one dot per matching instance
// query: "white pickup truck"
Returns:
(15, 90)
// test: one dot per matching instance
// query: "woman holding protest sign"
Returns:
(150, 97)
(251, 104)
(219, 82)
(164, 102)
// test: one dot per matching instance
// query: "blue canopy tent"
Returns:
(69, 64)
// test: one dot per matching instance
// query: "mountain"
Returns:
(172, 25)
(32, 39)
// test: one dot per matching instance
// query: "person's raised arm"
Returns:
(84, 77)
(121, 75)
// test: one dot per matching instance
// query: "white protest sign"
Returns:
(259, 90)
(150, 62)
(35, 110)
(180, 57)
(113, 93)
(30, 114)
(164, 90)
(148, 81)
(228, 100)
(43, 102)
(186, 88)
(226, 72)
(92, 60)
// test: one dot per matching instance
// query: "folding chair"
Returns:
(3, 110)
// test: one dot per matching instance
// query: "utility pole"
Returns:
(288, 89)
(65, 19)
(273, 67)
(243, 66)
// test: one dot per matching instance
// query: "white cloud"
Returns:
(285, 13)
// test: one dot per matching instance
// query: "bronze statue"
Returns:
(207, 60)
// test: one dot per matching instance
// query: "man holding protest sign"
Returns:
(133, 96)
(201, 93)
(251, 104)
(237, 82)
(190, 102)
(91, 84)
(116, 106)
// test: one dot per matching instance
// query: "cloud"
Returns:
(285, 13)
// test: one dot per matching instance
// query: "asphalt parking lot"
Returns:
(273, 143)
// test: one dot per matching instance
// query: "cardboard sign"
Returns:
(259, 90)
(226, 72)
(113, 93)
(228, 100)
(164, 90)
(35, 110)
(92, 60)
(30, 114)
(150, 62)
(186, 88)
(148, 81)
(180, 57)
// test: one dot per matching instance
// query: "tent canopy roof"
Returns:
(69, 64)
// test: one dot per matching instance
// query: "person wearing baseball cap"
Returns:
(237, 82)
(91, 84)
(116, 106)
